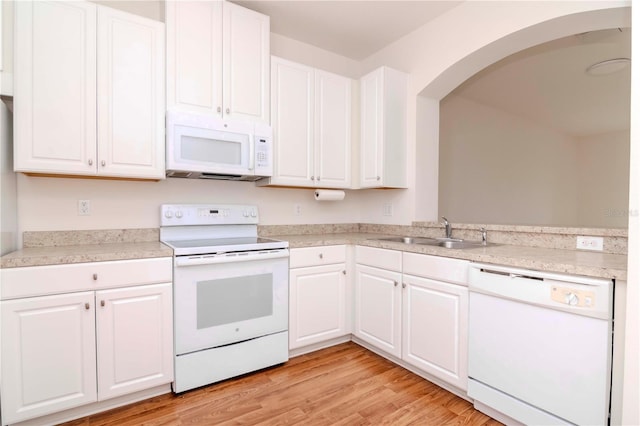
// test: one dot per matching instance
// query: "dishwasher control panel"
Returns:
(573, 296)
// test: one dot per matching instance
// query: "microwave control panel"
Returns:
(263, 153)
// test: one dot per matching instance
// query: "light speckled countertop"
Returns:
(77, 247)
(578, 262)
(58, 255)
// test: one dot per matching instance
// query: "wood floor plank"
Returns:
(342, 385)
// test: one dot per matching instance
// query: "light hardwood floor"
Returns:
(342, 385)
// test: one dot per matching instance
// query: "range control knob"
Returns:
(178, 214)
(253, 213)
(168, 214)
(245, 213)
(571, 299)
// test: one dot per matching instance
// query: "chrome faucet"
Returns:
(483, 233)
(447, 227)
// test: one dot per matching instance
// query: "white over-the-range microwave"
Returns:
(206, 147)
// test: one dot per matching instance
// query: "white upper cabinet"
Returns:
(218, 59)
(383, 129)
(55, 87)
(311, 120)
(332, 130)
(88, 96)
(130, 95)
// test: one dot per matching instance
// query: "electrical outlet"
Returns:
(297, 209)
(84, 207)
(387, 210)
(590, 243)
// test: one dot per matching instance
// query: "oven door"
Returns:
(229, 298)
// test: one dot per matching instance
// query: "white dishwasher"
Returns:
(540, 345)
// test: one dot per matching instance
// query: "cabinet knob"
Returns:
(102, 303)
(395, 283)
(313, 178)
(103, 163)
(219, 109)
(86, 306)
(90, 162)
(95, 277)
(404, 285)
(321, 256)
(344, 272)
(228, 111)
(318, 178)
(377, 177)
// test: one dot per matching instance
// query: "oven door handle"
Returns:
(230, 257)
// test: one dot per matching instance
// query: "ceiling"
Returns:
(548, 84)
(355, 29)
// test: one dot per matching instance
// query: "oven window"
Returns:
(229, 300)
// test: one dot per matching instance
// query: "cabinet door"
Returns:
(48, 355)
(332, 130)
(377, 308)
(194, 56)
(435, 316)
(55, 87)
(130, 95)
(317, 304)
(245, 60)
(135, 339)
(292, 107)
(371, 129)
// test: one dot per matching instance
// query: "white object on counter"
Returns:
(329, 195)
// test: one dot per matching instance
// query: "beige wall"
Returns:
(603, 180)
(496, 167)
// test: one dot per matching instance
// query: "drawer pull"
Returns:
(95, 277)
(321, 256)
(87, 306)
(102, 303)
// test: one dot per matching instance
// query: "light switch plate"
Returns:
(590, 243)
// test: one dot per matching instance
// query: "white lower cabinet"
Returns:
(414, 307)
(318, 295)
(378, 302)
(48, 355)
(65, 350)
(435, 316)
(434, 328)
(378, 298)
(134, 330)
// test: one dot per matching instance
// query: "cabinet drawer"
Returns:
(435, 267)
(379, 258)
(55, 279)
(314, 256)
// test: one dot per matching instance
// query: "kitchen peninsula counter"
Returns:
(578, 262)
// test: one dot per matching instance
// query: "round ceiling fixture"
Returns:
(608, 67)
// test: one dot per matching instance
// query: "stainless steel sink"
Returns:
(409, 240)
(451, 243)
